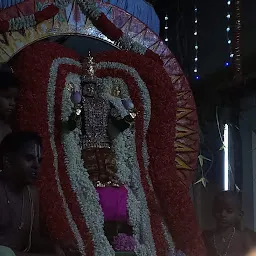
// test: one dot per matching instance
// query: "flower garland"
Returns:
(161, 169)
(88, 8)
(81, 184)
(178, 209)
(32, 115)
(119, 70)
(129, 173)
(51, 126)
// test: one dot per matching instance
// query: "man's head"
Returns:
(21, 157)
(227, 209)
(8, 93)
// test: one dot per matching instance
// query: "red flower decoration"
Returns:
(32, 115)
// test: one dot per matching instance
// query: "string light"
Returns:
(166, 29)
(237, 33)
(228, 32)
(196, 43)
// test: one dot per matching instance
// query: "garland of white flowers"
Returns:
(127, 165)
(51, 120)
(128, 169)
(22, 22)
(147, 113)
(87, 196)
(28, 21)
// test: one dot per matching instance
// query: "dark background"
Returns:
(212, 23)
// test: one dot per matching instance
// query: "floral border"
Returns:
(51, 125)
(124, 146)
(85, 191)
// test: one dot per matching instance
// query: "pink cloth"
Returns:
(113, 202)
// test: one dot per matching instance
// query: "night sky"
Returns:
(212, 24)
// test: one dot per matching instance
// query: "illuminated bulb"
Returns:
(197, 77)
(195, 9)
(195, 70)
(196, 59)
(228, 29)
(229, 2)
(165, 28)
(166, 18)
(231, 55)
(229, 41)
(228, 16)
(226, 64)
(195, 33)
(166, 39)
(195, 20)
(196, 47)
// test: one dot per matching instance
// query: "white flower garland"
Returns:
(23, 22)
(120, 142)
(126, 43)
(61, 4)
(87, 196)
(128, 168)
(51, 119)
(129, 172)
(89, 8)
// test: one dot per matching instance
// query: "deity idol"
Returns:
(104, 165)
(102, 113)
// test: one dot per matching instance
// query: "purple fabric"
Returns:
(113, 202)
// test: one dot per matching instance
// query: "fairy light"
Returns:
(228, 33)
(196, 43)
(166, 29)
(237, 34)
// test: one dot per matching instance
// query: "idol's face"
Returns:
(90, 89)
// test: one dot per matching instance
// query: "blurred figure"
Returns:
(228, 239)
(9, 88)
(252, 252)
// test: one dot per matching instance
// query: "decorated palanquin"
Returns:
(119, 129)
